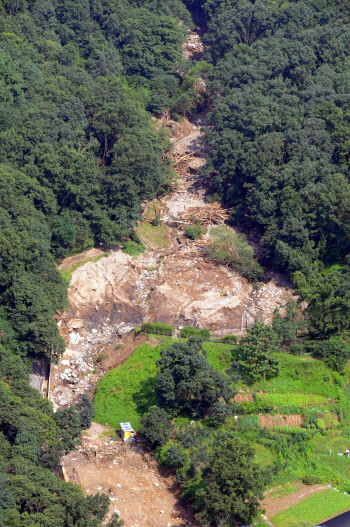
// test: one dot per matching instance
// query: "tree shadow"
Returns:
(145, 396)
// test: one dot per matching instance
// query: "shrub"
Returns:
(156, 426)
(190, 331)
(249, 421)
(227, 339)
(101, 356)
(156, 220)
(157, 327)
(232, 249)
(133, 249)
(320, 424)
(193, 232)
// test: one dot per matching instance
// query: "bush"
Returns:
(320, 424)
(231, 249)
(298, 348)
(193, 232)
(156, 426)
(133, 249)
(249, 421)
(156, 220)
(190, 331)
(157, 327)
(227, 339)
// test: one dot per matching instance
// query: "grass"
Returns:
(133, 249)
(67, 273)
(151, 236)
(125, 393)
(298, 376)
(263, 456)
(297, 399)
(284, 491)
(313, 509)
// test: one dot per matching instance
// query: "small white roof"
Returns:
(126, 427)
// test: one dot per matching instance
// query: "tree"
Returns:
(186, 381)
(254, 353)
(115, 521)
(156, 426)
(86, 410)
(291, 325)
(233, 485)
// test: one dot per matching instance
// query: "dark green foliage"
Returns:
(187, 383)
(115, 521)
(254, 355)
(86, 410)
(156, 426)
(291, 325)
(189, 331)
(233, 485)
(193, 232)
(277, 136)
(78, 153)
(335, 352)
(157, 327)
(32, 439)
(231, 249)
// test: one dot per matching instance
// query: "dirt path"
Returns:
(129, 475)
(273, 506)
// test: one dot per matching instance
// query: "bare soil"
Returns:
(270, 421)
(128, 474)
(274, 505)
(174, 284)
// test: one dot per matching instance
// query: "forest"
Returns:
(81, 84)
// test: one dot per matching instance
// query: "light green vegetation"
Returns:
(125, 393)
(313, 509)
(297, 399)
(152, 210)
(133, 249)
(154, 236)
(285, 490)
(263, 456)
(67, 273)
(230, 248)
(303, 376)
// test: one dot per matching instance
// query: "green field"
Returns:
(125, 393)
(314, 509)
(303, 376)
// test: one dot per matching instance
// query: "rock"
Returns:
(65, 362)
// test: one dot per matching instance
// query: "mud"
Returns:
(128, 474)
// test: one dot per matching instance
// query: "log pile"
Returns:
(212, 213)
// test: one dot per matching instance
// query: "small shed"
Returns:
(127, 432)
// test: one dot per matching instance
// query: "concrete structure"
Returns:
(127, 432)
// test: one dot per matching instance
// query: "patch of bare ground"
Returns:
(270, 421)
(274, 505)
(144, 496)
(69, 262)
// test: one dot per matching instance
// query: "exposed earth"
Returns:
(172, 282)
(129, 475)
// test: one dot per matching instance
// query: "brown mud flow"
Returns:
(171, 282)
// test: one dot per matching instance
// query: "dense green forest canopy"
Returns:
(278, 139)
(78, 156)
(79, 82)
(78, 153)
